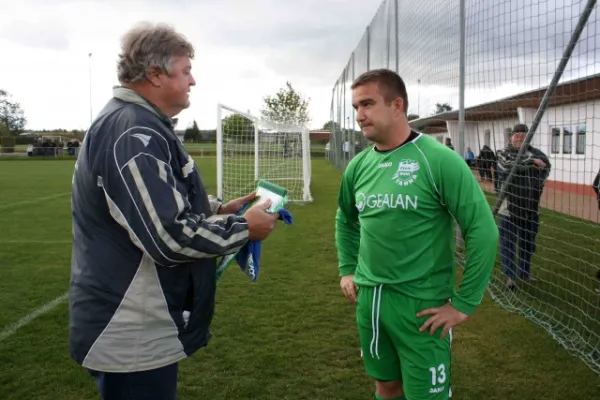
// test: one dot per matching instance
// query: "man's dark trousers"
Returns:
(521, 231)
(156, 384)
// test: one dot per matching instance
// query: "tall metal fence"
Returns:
(473, 70)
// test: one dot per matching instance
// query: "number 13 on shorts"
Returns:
(438, 378)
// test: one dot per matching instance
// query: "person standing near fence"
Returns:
(519, 217)
(395, 236)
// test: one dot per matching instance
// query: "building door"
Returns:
(487, 138)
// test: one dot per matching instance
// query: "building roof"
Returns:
(319, 134)
(574, 91)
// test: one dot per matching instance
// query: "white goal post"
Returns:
(250, 149)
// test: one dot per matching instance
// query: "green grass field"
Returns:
(290, 335)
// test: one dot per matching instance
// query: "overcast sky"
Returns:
(245, 50)
(248, 49)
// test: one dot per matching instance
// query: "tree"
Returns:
(7, 139)
(11, 113)
(286, 106)
(239, 127)
(331, 126)
(442, 107)
(192, 133)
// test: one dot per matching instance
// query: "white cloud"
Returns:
(244, 52)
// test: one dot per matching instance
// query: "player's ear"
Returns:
(399, 105)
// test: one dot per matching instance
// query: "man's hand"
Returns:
(260, 222)
(348, 287)
(447, 315)
(539, 163)
(233, 206)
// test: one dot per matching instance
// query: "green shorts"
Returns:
(393, 348)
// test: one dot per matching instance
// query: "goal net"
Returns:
(250, 149)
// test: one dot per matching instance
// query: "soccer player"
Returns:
(398, 201)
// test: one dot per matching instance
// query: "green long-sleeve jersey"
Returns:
(395, 222)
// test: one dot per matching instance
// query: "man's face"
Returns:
(373, 115)
(517, 139)
(175, 88)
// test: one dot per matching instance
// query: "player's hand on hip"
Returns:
(260, 222)
(235, 205)
(446, 316)
(348, 287)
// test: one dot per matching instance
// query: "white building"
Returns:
(569, 131)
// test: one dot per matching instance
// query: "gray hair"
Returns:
(149, 46)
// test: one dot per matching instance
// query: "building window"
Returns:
(580, 139)
(555, 144)
(567, 140)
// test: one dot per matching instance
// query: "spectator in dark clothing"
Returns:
(518, 221)
(487, 161)
(449, 143)
(596, 186)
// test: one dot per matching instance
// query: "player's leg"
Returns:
(425, 359)
(379, 355)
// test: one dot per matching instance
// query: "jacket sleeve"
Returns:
(465, 200)
(347, 228)
(538, 154)
(149, 199)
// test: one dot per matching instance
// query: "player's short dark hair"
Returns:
(390, 84)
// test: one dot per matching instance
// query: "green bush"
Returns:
(7, 144)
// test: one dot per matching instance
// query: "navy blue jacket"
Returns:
(146, 236)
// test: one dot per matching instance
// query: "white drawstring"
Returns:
(375, 307)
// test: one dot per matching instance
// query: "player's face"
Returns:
(176, 87)
(517, 139)
(375, 117)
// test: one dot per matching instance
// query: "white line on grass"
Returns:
(30, 317)
(32, 201)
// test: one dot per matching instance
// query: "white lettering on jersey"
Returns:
(385, 165)
(386, 201)
(406, 172)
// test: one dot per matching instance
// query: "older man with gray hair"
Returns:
(146, 234)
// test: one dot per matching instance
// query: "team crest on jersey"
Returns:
(406, 172)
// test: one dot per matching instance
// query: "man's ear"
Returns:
(153, 76)
(399, 105)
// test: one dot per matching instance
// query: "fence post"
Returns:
(546, 99)
(461, 104)
(396, 39)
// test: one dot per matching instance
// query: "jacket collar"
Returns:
(131, 96)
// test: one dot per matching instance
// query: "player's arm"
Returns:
(347, 229)
(146, 198)
(466, 201)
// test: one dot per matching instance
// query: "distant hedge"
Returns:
(7, 144)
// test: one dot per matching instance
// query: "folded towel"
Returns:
(248, 258)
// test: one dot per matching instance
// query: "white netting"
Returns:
(473, 86)
(249, 149)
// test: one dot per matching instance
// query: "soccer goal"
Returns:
(249, 149)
